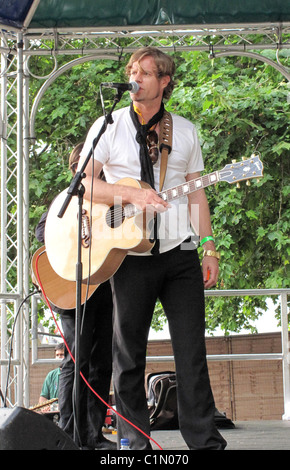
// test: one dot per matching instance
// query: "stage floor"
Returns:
(247, 435)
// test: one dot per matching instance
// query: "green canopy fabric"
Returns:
(42, 14)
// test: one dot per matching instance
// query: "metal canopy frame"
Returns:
(17, 133)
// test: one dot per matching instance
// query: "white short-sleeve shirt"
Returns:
(118, 151)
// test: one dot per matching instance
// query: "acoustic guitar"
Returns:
(110, 232)
(60, 292)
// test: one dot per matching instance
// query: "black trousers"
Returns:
(175, 278)
(95, 364)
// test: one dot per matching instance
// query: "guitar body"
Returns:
(60, 292)
(104, 247)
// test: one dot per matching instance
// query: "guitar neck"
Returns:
(190, 186)
(231, 173)
(178, 191)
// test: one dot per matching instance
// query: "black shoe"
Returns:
(105, 444)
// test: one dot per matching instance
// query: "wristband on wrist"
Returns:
(206, 239)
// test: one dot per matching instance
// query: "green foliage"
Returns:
(159, 318)
(239, 106)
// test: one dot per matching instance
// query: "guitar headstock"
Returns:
(243, 170)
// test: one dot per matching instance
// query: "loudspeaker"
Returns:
(22, 429)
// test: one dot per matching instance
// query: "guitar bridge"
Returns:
(86, 232)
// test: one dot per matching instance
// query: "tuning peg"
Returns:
(248, 183)
(234, 161)
(238, 185)
(244, 158)
(258, 180)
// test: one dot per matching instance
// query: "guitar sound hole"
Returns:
(115, 216)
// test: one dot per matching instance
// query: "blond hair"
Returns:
(164, 63)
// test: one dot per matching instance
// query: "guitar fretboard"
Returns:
(190, 186)
(180, 190)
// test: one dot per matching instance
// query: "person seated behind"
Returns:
(51, 382)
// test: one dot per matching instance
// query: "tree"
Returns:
(240, 108)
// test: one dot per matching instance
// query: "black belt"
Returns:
(180, 247)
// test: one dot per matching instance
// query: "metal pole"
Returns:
(26, 263)
(19, 331)
(3, 211)
(286, 356)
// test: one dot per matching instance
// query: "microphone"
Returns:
(133, 87)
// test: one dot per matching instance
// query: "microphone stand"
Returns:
(76, 188)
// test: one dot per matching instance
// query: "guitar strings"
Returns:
(116, 214)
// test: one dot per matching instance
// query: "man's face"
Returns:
(150, 85)
(59, 354)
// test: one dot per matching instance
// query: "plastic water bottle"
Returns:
(124, 444)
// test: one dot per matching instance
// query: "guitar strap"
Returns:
(165, 138)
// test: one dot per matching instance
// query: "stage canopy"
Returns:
(43, 14)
